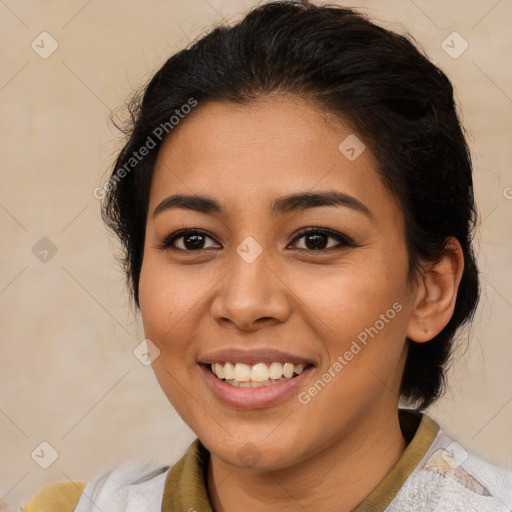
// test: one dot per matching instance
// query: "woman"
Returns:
(296, 205)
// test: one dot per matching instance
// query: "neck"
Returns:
(336, 479)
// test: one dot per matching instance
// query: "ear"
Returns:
(436, 294)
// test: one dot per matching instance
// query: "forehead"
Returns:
(290, 124)
(269, 147)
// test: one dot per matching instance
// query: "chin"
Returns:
(256, 451)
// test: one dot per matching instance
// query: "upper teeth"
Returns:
(259, 372)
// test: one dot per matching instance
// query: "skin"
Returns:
(291, 298)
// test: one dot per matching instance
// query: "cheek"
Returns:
(360, 314)
(352, 296)
(169, 304)
(169, 307)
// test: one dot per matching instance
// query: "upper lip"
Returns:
(253, 356)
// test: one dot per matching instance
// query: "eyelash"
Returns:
(344, 240)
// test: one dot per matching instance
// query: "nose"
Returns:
(251, 295)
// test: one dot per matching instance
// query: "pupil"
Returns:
(194, 241)
(317, 242)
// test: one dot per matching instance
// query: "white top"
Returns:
(448, 479)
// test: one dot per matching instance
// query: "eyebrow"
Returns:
(282, 205)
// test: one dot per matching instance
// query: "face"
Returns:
(249, 275)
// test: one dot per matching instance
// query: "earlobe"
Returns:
(436, 294)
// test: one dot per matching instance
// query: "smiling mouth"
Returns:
(256, 376)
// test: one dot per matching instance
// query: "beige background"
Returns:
(69, 376)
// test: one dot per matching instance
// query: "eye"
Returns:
(188, 240)
(316, 239)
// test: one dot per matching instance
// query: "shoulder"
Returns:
(458, 480)
(59, 497)
(127, 487)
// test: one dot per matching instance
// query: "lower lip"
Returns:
(253, 398)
